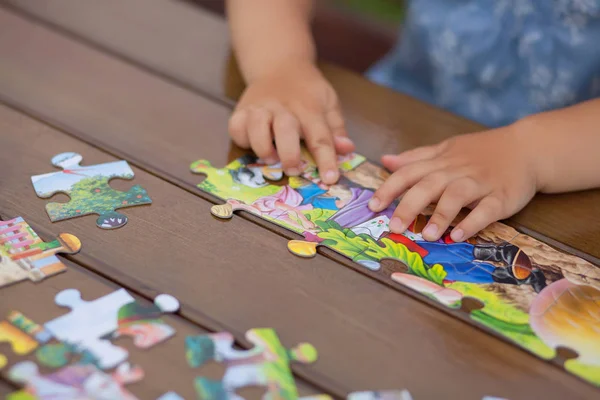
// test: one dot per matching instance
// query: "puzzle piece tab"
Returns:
(267, 364)
(74, 382)
(88, 190)
(90, 325)
(23, 255)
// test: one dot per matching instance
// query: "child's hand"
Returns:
(291, 103)
(489, 172)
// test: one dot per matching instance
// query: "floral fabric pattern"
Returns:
(496, 61)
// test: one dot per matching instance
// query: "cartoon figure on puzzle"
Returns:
(89, 190)
(74, 382)
(467, 262)
(23, 255)
(267, 364)
(90, 325)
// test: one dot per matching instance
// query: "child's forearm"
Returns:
(269, 34)
(564, 147)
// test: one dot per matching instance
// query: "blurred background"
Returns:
(350, 33)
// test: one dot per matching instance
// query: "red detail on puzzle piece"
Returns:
(124, 201)
(25, 254)
(97, 190)
(412, 246)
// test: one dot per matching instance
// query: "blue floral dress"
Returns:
(496, 61)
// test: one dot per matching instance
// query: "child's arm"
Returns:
(495, 173)
(286, 98)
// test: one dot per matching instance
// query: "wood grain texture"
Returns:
(197, 41)
(236, 275)
(127, 119)
(5, 388)
(164, 35)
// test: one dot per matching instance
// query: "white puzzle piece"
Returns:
(89, 322)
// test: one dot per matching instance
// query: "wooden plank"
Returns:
(235, 276)
(134, 29)
(164, 365)
(5, 388)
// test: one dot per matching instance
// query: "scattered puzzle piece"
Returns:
(90, 325)
(20, 342)
(89, 190)
(143, 322)
(23, 255)
(74, 382)
(30, 327)
(267, 364)
(57, 355)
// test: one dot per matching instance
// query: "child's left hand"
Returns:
(489, 172)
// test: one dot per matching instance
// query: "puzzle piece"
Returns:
(143, 323)
(57, 355)
(89, 325)
(30, 327)
(74, 382)
(89, 190)
(267, 364)
(23, 255)
(20, 342)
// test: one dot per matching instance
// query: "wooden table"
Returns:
(149, 81)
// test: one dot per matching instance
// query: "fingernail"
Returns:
(396, 225)
(430, 230)
(344, 139)
(292, 171)
(374, 204)
(331, 176)
(270, 160)
(457, 235)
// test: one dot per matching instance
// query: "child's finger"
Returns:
(320, 144)
(399, 182)
(417, 198)
(287, 140)
(237, 128)
(335, 120)
(394, 161)
(487, 211)
(259, 134)
(457, 195)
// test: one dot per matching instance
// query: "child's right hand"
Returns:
(290, 103)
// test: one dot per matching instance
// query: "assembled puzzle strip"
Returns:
(532, 295)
